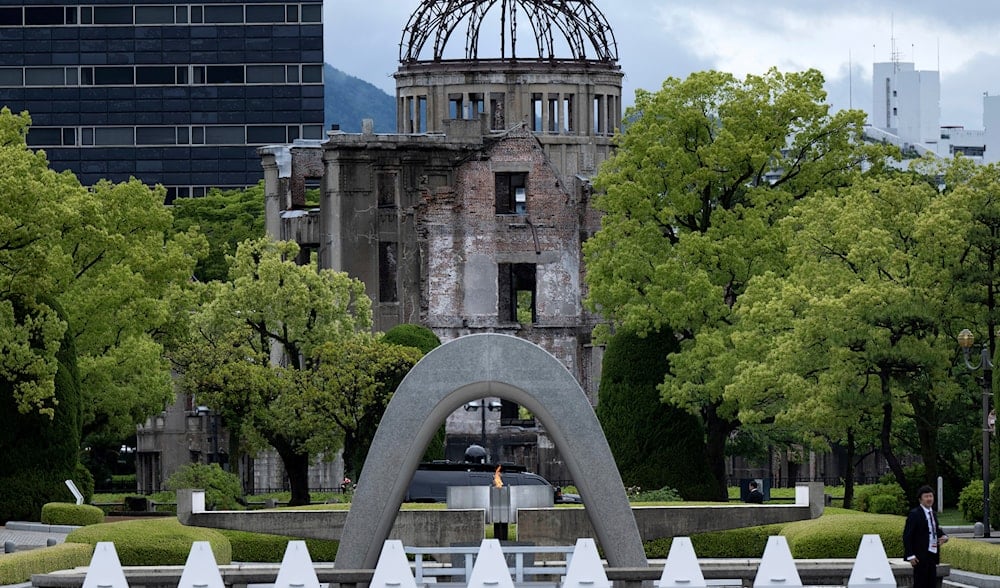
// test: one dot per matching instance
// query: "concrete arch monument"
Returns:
(467, 369)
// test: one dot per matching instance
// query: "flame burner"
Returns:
(500, 504)
(499, 511)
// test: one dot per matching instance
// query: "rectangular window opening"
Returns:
(388, 267)
(516, 293)
(511, 193)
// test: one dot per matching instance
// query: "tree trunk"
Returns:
(717, 432)
(925, 418)
(297, 468)
(849, 470)
(885, 435)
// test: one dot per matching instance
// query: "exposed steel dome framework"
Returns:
(582, 25)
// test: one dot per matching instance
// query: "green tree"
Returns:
(424, 339)
(704, 170)
(253, 344)
(226, 218)
(654, 444)
(353, 381)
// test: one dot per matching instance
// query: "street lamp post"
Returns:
(965, 340)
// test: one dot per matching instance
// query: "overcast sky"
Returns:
(661, 38)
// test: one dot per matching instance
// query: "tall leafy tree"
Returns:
(704, 169)
(254, 344)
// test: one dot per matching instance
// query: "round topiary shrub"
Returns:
(884, 504)
(223, 490)
(838, 536)
(64, 513)
(864, 494)
(153, 542)
(970, 501)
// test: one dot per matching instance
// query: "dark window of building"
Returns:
(312, 74)
(11, 17)
(512, 193)
(387, 269)
(223, 14)
(225, 135)
(386, 187)
(568, 114)
(266, 13)
(155, 136)
(114, 136)
(86, 76)
(44, 15)
(112, 15)
(72, 76)
(155, 15)
(197, 14)
(152, 75)
(477, 104)
(183, 136)
(198, 135)
(224, 74)
(87, 136)
(11, 76)
(71, 15)
(516, 292)
(553, 112)
(293, 74)
(312, 13)
(292, 15)
(265, 74)
(181, 15)
(312, 131)
(266, 135)
(86, 15)
(293, 133)
(511, 414)
(113, 76)
(44, 76)
(69, 137)
(38, 137)
(182, 74)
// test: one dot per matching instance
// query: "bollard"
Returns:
(9, 547)
(50, 542)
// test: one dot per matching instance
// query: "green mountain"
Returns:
(350, 99)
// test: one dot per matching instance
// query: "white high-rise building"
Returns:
(906, 102)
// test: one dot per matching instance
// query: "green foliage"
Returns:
(745, 542)
(665, 494)
(972, 556)
(258, 547)
(970, 502)
(411, 335)
(64, 513)
(226, 218)
(838, 536)
(17, 568)
(54, 435)
(153, 542)
(894, 503)
(223, 490)
(654, 445)
(84, 481)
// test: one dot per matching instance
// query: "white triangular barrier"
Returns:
(490, 569)
(871, 568)
(777, 568)
(297, 569)
(682, 569)
(201, 570)
(392, 569)
(105, 569)
(586, 570)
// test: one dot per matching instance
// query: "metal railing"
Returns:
(462, 572)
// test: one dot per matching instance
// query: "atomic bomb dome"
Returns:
(551, 65)
(584, 31)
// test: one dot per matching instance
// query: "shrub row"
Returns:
(972, 556)
(258, 547)
(149, 542)
(16, 568)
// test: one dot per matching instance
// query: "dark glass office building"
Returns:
(178, 94)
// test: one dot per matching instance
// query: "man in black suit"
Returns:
(755, 496)
(922, 538)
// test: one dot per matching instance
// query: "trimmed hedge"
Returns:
(258, 547)
(838, 536)
(65, 513)
(16, 568)
(153, 542)
(865, 499)
(747, 542)
(972, 556)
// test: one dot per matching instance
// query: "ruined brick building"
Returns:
(471, 217)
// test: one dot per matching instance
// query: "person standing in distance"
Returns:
(755, 496)
(922, 540)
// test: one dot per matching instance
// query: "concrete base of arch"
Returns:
(467, 369)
